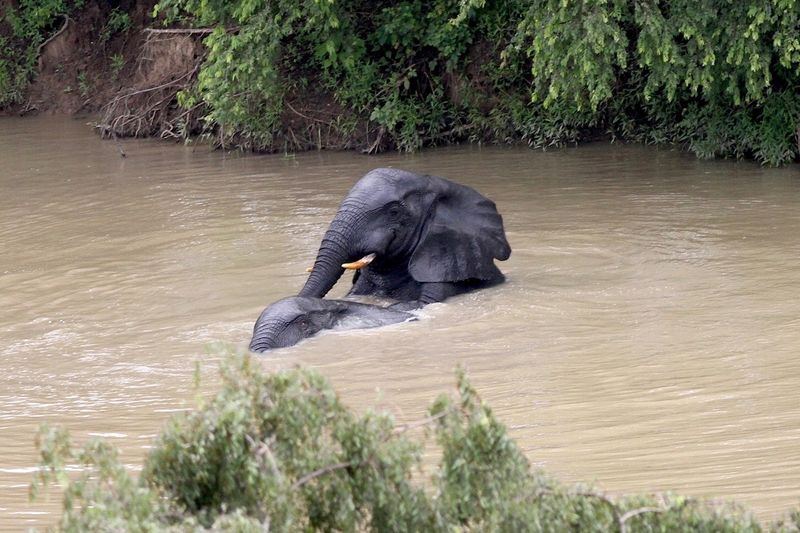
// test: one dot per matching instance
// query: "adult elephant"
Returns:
(417, 239)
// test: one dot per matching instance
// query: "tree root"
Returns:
(50, 39)
(166, 65)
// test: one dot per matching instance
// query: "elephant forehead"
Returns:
(284, 310)
(384, 185)
(290, 308)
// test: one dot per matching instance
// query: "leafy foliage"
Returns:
(718, 77)
(547, 72)
(26, 26)
(281, 452)
(118, 22)
(22, 31)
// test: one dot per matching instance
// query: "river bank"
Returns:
(402, 75)
(123, 72)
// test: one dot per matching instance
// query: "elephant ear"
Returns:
(461, 238)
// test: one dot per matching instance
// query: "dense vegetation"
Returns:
(717, 76)
(22, 32)
(28, 26)
(281, 452)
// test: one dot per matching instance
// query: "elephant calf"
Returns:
(288, 321)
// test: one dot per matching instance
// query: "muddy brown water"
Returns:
(647, 339)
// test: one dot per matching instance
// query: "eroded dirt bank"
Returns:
(120, 66)
(89, 56)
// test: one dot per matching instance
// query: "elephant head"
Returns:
(290, 320)
(436, 230)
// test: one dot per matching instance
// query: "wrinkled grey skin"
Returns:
(288, 321)
(433, 238)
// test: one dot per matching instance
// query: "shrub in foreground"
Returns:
(282, 452)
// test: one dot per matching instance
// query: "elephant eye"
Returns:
(304, 324)
(395, 212)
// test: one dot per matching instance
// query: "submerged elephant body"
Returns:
(420, 239)
(290, 320)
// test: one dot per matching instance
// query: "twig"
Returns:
(321, 471)
(298, 113)
(56, 34)
(621, 519)
(374, 148)
(608, 501)
(424, 422)
(262, 448)
(636, 512)
(294, 137)
(181, 30)
(797, 137)
(30, 106)
(171, 83)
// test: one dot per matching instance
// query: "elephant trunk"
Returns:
(334, 251)
(265, 337)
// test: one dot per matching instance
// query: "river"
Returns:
(647, 339)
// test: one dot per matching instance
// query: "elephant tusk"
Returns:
(310, 269)
(361, 263)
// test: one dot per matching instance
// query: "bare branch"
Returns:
(262, 449)
(424, 422)
(605, 499)
(319, 472)
(187, 31)
(636, 512)
(376, 145)
(179, 30)
(299, 114)
(56, 34)
(172, 83)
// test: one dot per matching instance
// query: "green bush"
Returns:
(22, 31)
(716, 76)
(26, 27)
(281, 452)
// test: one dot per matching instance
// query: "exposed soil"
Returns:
(167, 62)
(85, 64)
(129, 80)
